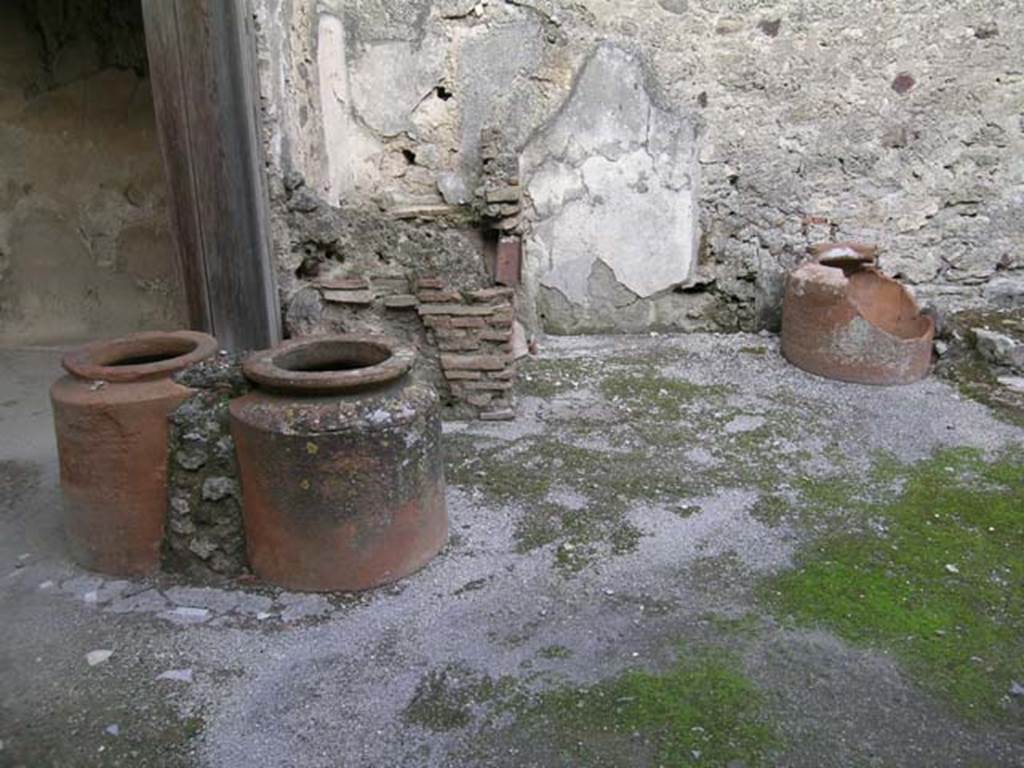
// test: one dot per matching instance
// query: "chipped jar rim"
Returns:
(333, 364)
(139, 356)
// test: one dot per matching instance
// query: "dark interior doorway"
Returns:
(86, 248)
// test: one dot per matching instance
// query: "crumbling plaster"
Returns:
(779, 123)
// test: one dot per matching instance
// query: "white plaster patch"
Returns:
(350, 149)
(390, 79)
(613, 179)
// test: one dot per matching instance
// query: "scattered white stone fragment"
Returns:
(263, 616)
(952, 568)
(92, 596)
(1013, 383)
(178, 675)
(98, 656)
(186, 615)
(1016, 689)
(113, 729)
(46, 585)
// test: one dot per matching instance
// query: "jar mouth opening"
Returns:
(330, 356)
(139, 355)
(329, 364)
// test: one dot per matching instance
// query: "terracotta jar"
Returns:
(110, 414)
(843, 319)
(339, 451)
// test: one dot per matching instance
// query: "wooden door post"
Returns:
(203, 75)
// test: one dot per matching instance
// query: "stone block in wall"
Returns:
(205, 537)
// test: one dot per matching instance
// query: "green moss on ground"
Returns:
(652, 395)
(702, 711)
(935, 578)
(554, 652)
(526, 472)
(449, 698)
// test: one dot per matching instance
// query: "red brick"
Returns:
(348, 297)
(474, 362)
(469, 322)
(437, 321)
(343, 283)
(505, 375)
(501, 316)
(457, 309)
(496, 334)
(438, 296)
(498, 295)
(463, 375)
(466, 344)
(429, 282)
(497, 386)
(385, 285)
(508, 261)
(450, 332)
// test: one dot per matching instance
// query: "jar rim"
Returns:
(139, 356)
(334, 364)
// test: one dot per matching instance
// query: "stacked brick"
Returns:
(472, 330)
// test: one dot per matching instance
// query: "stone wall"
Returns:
(205, 535)
(85, 243)
(674, 157)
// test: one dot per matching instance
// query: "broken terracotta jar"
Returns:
(110, 415)
(843, 319)
(339, 451)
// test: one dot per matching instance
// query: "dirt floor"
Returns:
(683, 553)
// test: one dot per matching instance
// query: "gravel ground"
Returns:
(669, 481)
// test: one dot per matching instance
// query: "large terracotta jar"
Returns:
(339, 451)
(843, 319)
(110, 413)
